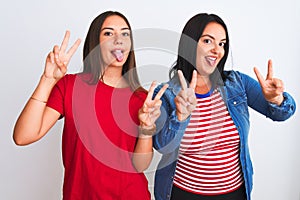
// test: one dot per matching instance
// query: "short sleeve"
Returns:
(56, 98)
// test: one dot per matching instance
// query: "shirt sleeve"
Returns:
(257, 101)
(169, 130)
(56, 98)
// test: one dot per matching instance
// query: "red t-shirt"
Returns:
(100, 129)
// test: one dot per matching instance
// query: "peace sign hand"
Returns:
(272, 88)
(150, 111)
(58, 59)
(185, 100)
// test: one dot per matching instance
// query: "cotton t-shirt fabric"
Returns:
(99, 135)
(208, 161)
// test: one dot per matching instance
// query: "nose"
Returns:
(118, 39)
(216, 48)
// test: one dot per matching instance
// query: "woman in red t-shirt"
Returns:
(104, 109)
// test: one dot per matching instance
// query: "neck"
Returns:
(203, 85)
(112, 76)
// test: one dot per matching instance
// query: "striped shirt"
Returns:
(208, 162)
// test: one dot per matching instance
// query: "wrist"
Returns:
(48, 80)
(147, 130)
(143, 136)
(277, 100)
(43, 89)
(38, 100)
(182, 117)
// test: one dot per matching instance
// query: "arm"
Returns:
(36, 118)
(175, 115)
(143, 152)
(267, 96)
(170, 129)
(148, 114)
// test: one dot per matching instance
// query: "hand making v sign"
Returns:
(150, 111)
(272, 88)
(58, 59)
(185, 100)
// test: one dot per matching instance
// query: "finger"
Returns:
(183, 94)
(151, 91)
(50, 57)
(270, 70)
(150, 107)
(156, 104)
(193, 82)
(155, 114)
(63, 68)
(65, 41)
(57, 60)
(73, 49)
(56, 51)
(144, 108)
(192, 100)
(278, 84)
(190, 108)
(182, 80)
(180, 100)
(161, 92)
(259, 77)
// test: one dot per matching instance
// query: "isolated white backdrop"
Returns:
(258, 30)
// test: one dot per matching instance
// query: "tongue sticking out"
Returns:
(119, 55)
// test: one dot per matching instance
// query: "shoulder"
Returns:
(67, 78)
(69, 81)
(140, 94)
(65, 81)
(232, 75)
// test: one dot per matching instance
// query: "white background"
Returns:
(258, 30)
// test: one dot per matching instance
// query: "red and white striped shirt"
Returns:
(208, 162)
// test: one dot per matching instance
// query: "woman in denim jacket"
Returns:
(202, 132)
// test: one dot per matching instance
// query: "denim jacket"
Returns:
(239, 92)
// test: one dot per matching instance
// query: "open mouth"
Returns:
(119, 54)
(211, 60)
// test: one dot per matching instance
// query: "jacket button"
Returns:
(234, 102)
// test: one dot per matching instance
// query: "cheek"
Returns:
(127, 44)
(199, 56)
(105, 47)
(202, 50)
(222, 53)
(103, 52)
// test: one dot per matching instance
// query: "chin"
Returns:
(117, 64)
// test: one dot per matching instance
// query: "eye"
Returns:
(222, 44)
(107, 33)
(126, 34)
(207, 41)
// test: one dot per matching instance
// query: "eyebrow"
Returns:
(207, 35)
(109, 28)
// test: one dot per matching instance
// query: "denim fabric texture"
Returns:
(239, 92)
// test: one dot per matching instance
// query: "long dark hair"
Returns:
(92, 53)
(187, 50)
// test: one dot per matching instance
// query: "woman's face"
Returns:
(115, 41)
(210, 48)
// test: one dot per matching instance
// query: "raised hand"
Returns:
(272, 88)
(58, 59)
(185, 100)
(150, 111)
